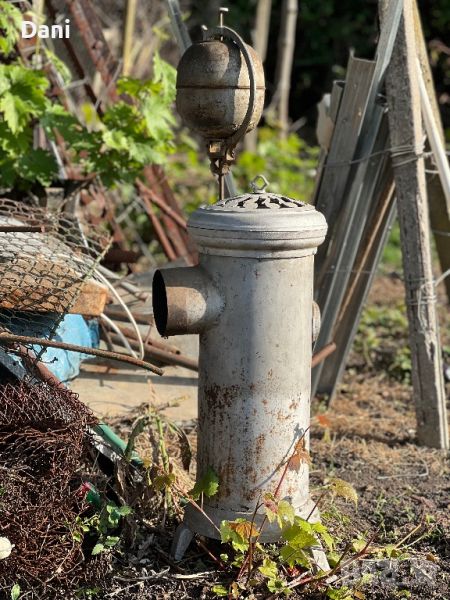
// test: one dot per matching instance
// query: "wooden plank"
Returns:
(331, 188)
(35, 295)
(366, 264)
(91, 300)
(326, 123)
(405, 124)
(336, 272)
(439, 218)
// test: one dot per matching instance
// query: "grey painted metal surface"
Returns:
(255, 358)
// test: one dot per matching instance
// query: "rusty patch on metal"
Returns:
(218, 396)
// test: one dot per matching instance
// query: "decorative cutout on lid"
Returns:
(258, 199)
(255, 201)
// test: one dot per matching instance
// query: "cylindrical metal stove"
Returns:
(250, 299)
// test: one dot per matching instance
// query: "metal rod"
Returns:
(323, 354)
(22, 229)
(165, 357)
(221, 186)
(434, 138)
(179, 28)
(119, 315)
(156, 343)
(159, 230)
(162, 205)
(10, 338)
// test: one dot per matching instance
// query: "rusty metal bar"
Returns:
(182, 241)
(156, 343)
(167, 358)
(92, 34)
(22, 229)
(323, 354)
(159, 231)
(160, 204)
(73, 56)
(118, 315)
(10, 338)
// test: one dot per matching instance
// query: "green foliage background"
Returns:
(135, 131)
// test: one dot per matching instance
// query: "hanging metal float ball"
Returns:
(214, 87)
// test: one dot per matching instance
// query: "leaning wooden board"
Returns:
(439, 218)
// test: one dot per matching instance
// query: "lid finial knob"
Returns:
(259, 189)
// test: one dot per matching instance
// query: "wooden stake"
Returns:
(260, 37)
(286, 46)
(439, 218)
(128, 36)
(405, 125)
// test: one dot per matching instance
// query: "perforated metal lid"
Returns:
(259, 221)
(255, 201)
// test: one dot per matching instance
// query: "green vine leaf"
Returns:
(207, 485)
(229, 533)
(286, 513)
(269, 568)
(220, 590)
(15, 592)
(10, 23)
(164, 481)
(167, 75)
(97, 549)
(38, 165)
(294, 557)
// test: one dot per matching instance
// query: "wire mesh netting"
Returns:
(46, 260)
(42, 441)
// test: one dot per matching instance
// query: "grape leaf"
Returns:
(97, 549)
(244, 528)
(300, 455)
(167, 75)
(38, 165)
(208, 485)
(269, 568)
(286, 513)
(10, 107)
(294, 556)
(10, 22)
(219, 590)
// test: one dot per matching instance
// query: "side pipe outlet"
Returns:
(185, 300)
